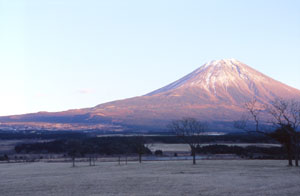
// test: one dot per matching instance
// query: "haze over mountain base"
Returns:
(216, 92)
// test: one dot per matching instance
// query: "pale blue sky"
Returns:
(62, 54)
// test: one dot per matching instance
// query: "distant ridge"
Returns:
(215, 92)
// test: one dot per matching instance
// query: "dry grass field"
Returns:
(166, 178)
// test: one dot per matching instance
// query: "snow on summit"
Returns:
(217, 73)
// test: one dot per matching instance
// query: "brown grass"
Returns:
(167, 178)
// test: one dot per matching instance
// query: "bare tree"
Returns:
(282, 115)
(73, 150)
(252, 123)
(282, 136)
(286, 116)
(142, 147)
(190, 131)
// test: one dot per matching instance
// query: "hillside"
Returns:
(215, 92)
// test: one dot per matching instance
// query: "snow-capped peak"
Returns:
(223, 62)
(232, 62)
(222, 73)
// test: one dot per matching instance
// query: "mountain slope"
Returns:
(215, 92)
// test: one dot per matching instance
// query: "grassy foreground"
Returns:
(167, 178)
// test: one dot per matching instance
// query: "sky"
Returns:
(66, 54)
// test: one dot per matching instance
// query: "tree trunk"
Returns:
(73, 161)
(140, 158)
(290, 156)
(297, 154)
(194, 156)
(290, 162)
(194, 159)
(90, 160)
(94, 160)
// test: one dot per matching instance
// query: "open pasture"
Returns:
(167, 178)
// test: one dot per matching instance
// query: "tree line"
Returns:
(125, 146)
(80, 147)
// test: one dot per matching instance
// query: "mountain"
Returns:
(216, 92)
